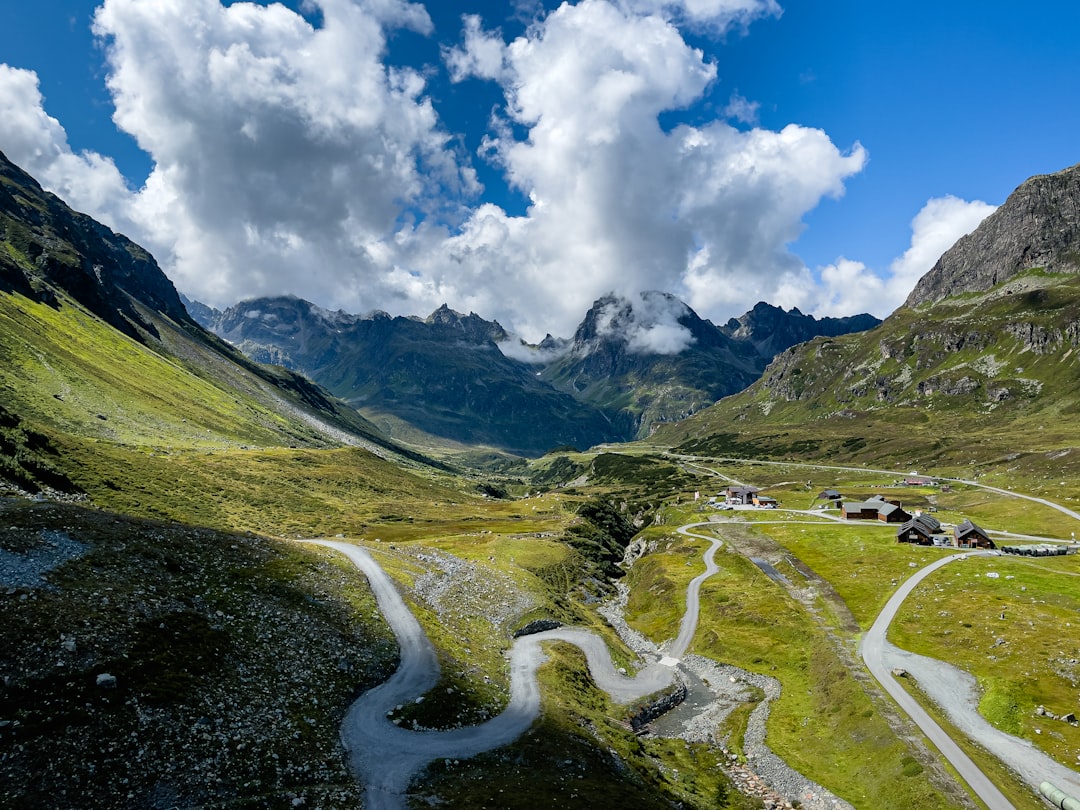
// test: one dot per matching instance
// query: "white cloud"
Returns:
(849, 286)
(289, 159)
(934, 230)
(480, 56)
(285, 156)
(742, 109)
(618, 203)
(654, 327)
(37, 143)
(721, 14)
(517, 349)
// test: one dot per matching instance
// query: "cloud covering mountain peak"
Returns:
(297, 158)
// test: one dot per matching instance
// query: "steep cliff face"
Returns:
(1037, 227)
(51, 245)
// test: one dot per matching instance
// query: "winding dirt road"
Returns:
(386, 757)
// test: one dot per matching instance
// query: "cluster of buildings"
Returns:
(748, 496)
(919, 528)
(915, 527)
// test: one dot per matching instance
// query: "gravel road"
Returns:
(386, 757)
(956, 692)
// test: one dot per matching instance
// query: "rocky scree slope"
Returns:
(152, 665)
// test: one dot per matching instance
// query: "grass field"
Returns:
(67, 370)
(824, 724)
(862, 561)
(1017, 633)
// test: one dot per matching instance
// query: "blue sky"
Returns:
(395, 156)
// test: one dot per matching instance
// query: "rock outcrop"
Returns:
(1038, 226)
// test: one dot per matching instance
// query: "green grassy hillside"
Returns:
(978, 382)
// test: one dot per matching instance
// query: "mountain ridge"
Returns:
(1038, 226)
(56, 264)
(980, 366)
(629, 365)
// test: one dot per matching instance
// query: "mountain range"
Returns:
(985, 345)
(981, 365)
(630, 365)
(167, 644)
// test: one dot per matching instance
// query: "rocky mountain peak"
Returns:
(1037, 226)
(471, 327)
(653, 322)
(771, 329)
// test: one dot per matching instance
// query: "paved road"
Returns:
(689, 622)
(873, 648)
(385, 757)
(1034, 499)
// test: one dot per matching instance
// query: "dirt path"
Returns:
(386, 757)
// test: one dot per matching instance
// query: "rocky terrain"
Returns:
(443, 375)
(1038, 226)
(151, 665)
(762, 775)
(466, 379)
(986, 346)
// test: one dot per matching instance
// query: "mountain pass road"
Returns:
(386, 757)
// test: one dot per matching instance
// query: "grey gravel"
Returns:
(729, 685)
(28, 570)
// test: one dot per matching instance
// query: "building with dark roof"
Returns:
(968, 535)
(877, 508)
(919, 530)
(741, 495)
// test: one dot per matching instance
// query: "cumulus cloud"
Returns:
(739, 108)
(284, 155)
(38, 143)
(849, 286)
(480, 55)
(293, 159)
(617, 202)
(722, 14)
